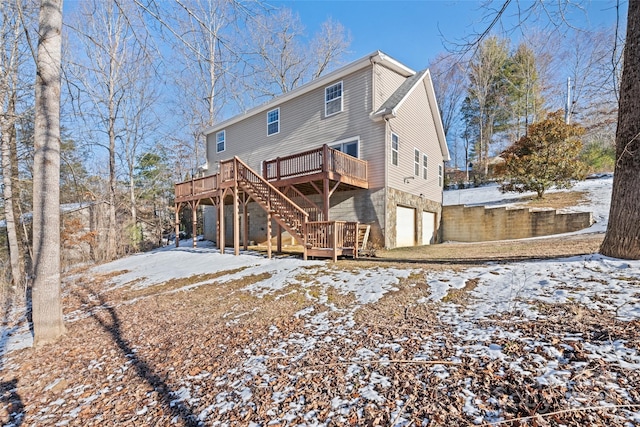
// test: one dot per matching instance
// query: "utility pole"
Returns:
(567, 111)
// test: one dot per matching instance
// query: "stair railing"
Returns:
(293, 215)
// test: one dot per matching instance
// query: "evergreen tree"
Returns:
(547, 156)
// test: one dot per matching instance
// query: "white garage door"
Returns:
(428, 227)
(405, 226)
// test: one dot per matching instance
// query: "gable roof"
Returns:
(390, 107)
(376, 57)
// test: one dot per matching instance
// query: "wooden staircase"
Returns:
(363, 236)
(282, 209)
(326, 239)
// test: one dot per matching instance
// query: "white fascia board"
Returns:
(431, 94)
(392, 64)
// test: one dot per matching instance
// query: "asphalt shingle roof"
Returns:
(400, 93)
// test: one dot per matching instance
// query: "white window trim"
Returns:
(440, 168)
(396, 150)
(277, 121)
(417, 165)
(342, 141)
(341, 98)
(425, 159)
(224, 141)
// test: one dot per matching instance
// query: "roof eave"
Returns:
(442, 138)
(376, 57)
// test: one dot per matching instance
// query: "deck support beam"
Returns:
(279, 238)
(269, 233)
(236, 219)
(194, 222)
(221, 223)
(177, 224)
(326, 195)
(245, 220)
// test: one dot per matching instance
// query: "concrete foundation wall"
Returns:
(478, 224)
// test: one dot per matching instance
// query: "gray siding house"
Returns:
(380, 114)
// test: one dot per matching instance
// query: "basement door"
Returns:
(405, 226)
(428, 227)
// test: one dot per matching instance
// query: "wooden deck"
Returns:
(314, 165)
(320, 170)
(294, 170)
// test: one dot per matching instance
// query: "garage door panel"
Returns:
(428, 227)
(405, 226)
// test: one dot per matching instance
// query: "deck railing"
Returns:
(332, 234)
(269, 196)
(197, 186)
(323, 159)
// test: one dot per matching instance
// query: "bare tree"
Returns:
(139, 124)
(281, 59)
(13, 58)
(48, 323)
(486, 93)
(202, 56)
(449, 84)
(111, 61)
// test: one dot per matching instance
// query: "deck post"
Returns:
(357, 235)
(269, 233)
(325, 198)
(335, 241)
(279, 238)
(325, 158)
(236, 219)
(194, 222)
(245, 225)
(305, 240)
(221, 222)
(177, 225)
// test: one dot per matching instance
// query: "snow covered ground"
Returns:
(485, 328)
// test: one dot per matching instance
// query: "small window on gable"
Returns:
(394, 149)
(424, 166)
(273, 122)
(333, 99)
(416, 162)
(220, 142)
(440, 175)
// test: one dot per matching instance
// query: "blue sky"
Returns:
(414, 32)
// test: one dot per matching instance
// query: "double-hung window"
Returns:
(220, 141)
(440, 175)
(273, 122)
(424, 166)
(416, 162)
(333, 99)
(395, 145)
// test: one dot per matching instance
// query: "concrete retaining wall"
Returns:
(477, 223)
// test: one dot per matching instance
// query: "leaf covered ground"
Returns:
(246, 341)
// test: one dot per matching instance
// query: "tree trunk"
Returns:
(134, 210)
(111, 231)
(623, 233)
(8, 134)
(48, 324)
